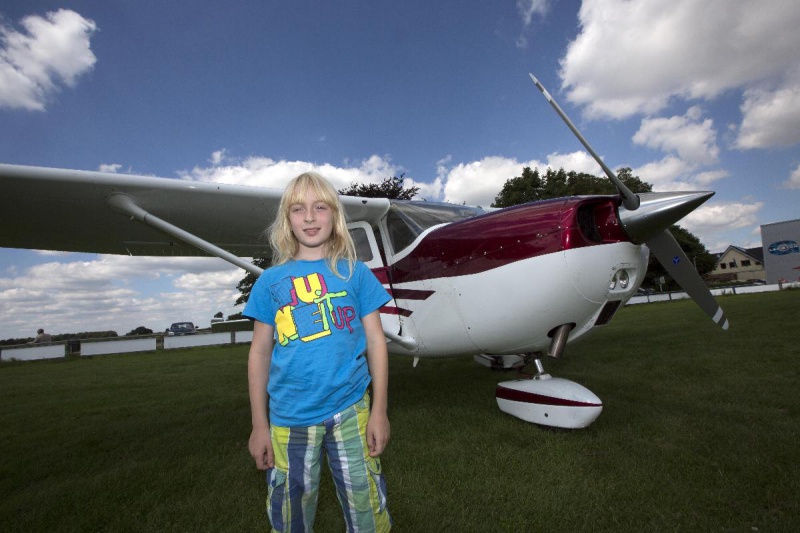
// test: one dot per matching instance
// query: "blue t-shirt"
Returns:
(319, 364)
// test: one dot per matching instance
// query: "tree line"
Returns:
(64, 337)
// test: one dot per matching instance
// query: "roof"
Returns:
(756, 253)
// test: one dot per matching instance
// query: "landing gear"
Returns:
(543, 399)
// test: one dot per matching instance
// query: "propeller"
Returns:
(649, 226)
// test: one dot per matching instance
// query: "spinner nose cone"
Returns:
(658, 211)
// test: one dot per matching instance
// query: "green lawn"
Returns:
(699, 433)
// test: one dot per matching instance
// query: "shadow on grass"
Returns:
(698, 433)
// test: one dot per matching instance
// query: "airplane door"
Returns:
(367, 252)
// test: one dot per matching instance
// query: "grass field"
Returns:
(699, 432)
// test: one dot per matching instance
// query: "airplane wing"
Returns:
(83, 211)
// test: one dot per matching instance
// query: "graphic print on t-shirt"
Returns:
(307, 310)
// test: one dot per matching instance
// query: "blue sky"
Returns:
(692, 94)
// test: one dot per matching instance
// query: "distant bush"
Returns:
(64, 337)
(141, 330)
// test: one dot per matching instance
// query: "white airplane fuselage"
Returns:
(462, 288)
(514, 308)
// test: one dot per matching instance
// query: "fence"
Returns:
(121, 345)
(150, 344)
(722, 291)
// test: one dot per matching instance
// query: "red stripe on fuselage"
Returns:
(501, 237)
(395, 311)
(382, 273)
(411, 294)
(515, 395)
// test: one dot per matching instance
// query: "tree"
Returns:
(521, 189)
(392, 188)
(218, 315)
(246, 283)
(141, 330)
(389, 188)
(531, 186)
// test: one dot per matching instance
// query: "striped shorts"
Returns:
(293, 484)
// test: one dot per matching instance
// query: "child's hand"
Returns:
(377, 433)
(261, 448)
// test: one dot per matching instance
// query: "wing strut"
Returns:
(125, 205)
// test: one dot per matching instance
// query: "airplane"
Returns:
(464, 281)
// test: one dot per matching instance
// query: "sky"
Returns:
(691, 94)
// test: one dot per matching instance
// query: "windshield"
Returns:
(407, 220)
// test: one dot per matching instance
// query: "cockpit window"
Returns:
(407, 220)
(361, 241)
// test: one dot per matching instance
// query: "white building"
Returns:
(781, 250)
(739, 264)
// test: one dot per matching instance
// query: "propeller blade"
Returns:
(661, 210)
(629, 199)
(677, 264)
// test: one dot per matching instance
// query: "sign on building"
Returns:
(781, 242)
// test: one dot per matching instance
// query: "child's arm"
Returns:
(258, 363)
(378, 430)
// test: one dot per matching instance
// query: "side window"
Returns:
(366, 245)
(361, 240)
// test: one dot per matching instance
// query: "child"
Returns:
(317, 345)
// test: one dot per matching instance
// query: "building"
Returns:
(781, 250)
(739, 264)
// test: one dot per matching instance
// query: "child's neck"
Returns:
(311, 254)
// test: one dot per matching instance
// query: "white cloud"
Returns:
(210, 281)
(703, 179)
(579, 161)
(673, 173)
(479, 182)
(527, 9)
(633, 58)
(692, 138)
(218, 157)
(267, 172)
(116, 293)
(714, 223)
(52, 50)
(770, 118)
(669, 174)
(724, 215)
(113, 167)
(794, 179)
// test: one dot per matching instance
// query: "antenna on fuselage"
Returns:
(629, 199)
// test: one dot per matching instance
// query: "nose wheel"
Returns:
(548, 401)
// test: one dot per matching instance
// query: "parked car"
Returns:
(182, 328)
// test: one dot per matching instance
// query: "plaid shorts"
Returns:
(293, 484)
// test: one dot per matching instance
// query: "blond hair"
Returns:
(284, 243)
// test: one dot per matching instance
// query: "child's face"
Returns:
(312, 225)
